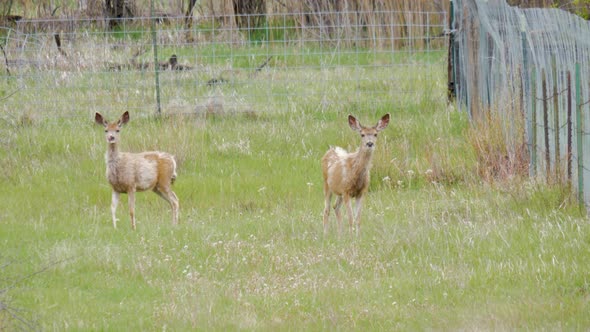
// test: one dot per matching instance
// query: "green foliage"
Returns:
(582, 8)
(129, 31)
(273, 31)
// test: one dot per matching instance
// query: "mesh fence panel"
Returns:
(267, 63)
(525, 64)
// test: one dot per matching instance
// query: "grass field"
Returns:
(439, 249)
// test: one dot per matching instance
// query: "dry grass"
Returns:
(502, 156)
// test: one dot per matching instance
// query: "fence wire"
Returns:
(529, 67)
(267, 63)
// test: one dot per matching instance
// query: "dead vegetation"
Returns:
(499, 157)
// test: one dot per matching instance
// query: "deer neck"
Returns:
(112, 153)
(112, 158)
(362, 161)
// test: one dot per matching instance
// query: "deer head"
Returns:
(112, 129)
(368, 134)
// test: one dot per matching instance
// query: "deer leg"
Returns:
(337, 207)
(175, 207)
(358, 203)
(169, 196)
(327, 199)
(114, 202)
(349, 211)
(131, 194)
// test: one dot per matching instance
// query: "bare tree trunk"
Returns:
(249, 13)
(188, 16)
(188, 20)
(116, 10)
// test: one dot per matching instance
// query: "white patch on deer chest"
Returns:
(340, 152)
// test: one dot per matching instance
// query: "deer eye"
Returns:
(118, 130)
(362, 135)
(106, 131)
(375, 135)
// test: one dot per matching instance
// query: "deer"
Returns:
(347, 175)
(129, 173)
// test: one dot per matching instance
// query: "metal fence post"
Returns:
(156, 66)
(569, 126)
(546, 125)
(533, 138)
(579, 133)
(529, 85)
(556, 130)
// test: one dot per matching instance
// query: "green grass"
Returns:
(440, 249)
(250, 253)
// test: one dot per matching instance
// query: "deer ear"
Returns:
(99, 119)
(124, 118)
(354, 123)
(383, 122)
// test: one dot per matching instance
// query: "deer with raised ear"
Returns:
(132, 172)
(347, 174)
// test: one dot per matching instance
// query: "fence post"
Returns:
(580, 132)
(529, 85)
(451, 83)
(155, 47)
(546, 124)
(533, 138)
(556, 122)
(569, 126)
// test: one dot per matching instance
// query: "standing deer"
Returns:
(347, 174)
(131, 172)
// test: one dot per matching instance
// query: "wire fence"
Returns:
(529, 67)
(239, 63)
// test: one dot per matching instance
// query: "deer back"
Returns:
(140, 171)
